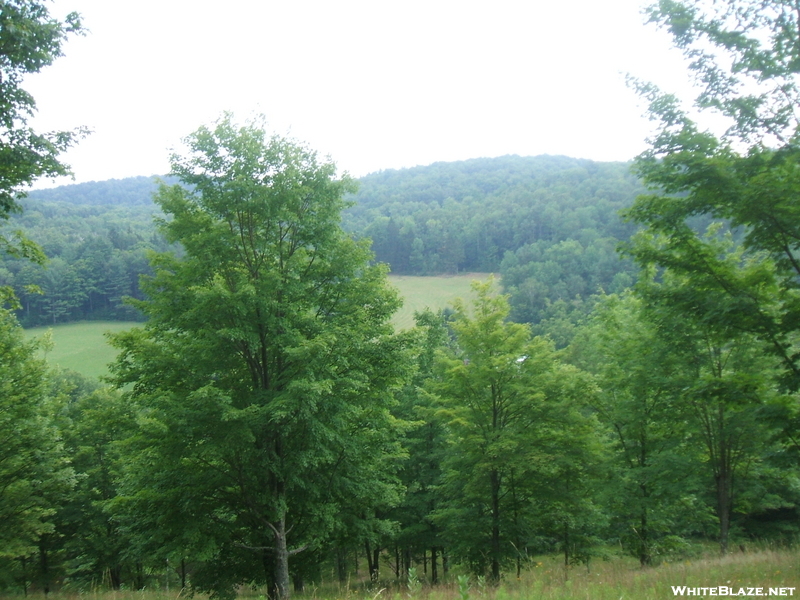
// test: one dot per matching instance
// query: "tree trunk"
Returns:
(644, 535)
(115, 575)
(724, 480)
(341, 565)
(24, 576)
(281, 560)
(139, 578)
(183, 573)
(298, 583)
(44, 565)
(434, 569)
(376, 561)
(723, 508)
(495, 491)
(372, 560)
(269, 571)
(644, 541)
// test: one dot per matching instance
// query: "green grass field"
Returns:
(82, 347)
(430, 292)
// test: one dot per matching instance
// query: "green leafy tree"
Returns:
(653, 496)
(267, 357)
(728, 387)
(734, 283)
(745, 58)
(94, 426)
(426, 443)
(508, 403)
(34, 470)
(30, 39)
(62, 289)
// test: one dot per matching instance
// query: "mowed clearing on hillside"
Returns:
(434, 292)
(83, 347)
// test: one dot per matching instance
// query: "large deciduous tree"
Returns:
(34, 470)
(515, 436)
(30, 39)
(745, 56)
(267, 367)
(652, 496)
(735, 283)
(728, 388)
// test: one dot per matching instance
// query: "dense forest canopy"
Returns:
(465, 216)
(96, 253)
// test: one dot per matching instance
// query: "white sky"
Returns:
(374, 84)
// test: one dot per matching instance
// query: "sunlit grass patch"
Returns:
(434, 292)
(82, 346)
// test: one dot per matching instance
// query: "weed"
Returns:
(414, 584)
(463, 587)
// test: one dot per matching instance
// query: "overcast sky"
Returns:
(374, 84)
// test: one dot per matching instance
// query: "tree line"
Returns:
(465, 216)
(96, 255)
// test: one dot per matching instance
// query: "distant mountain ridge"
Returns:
(473, 177)
(429, 183)
(130, 191)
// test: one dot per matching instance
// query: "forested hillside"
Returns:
(132, 191)
(465, 216)
(96, 244)
(549, 225)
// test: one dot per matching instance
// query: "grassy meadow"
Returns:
(82, 347)
(546, 579)
(435, 293)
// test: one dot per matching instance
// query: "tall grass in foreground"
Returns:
(616, 579)
(622, 579)
(619, 578)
